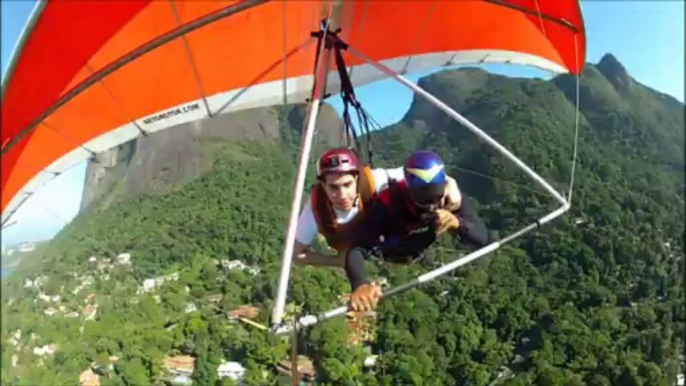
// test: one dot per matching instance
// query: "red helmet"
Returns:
(338, 160)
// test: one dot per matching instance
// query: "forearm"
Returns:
(453, 198)
(473, 232)
(354, 267)
(472, 229)
(367, 237)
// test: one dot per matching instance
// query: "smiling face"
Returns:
(341, 189)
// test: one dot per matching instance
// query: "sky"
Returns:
(647, 37)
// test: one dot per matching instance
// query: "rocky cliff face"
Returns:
(173, 157)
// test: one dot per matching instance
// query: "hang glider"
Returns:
(88, 76)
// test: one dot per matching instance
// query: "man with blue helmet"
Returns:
(404, 220)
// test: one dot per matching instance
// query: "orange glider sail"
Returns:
(90, 75)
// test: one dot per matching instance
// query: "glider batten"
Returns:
(138, 52)
(298, 67)
(10, 141)
(535, 12)
(284, 42)
(126, 114)
(270, 93)
(420, 35)
(191, 61)
(475, 28)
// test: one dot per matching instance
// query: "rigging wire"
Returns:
(536, 190)
(363, 117)
(576, 123)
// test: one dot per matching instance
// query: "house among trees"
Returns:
(247, 312)
(89, 378)
(181, 368)
(305, 368)
(215, 298)
(233, 370)
(124, 259)
(90, 311)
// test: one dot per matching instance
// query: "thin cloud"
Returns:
(54, 205)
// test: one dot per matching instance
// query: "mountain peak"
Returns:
(614, 71)
(611, 64)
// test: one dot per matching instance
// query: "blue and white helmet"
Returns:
(425, 177)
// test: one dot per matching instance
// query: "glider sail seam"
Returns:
(191, 61)
(96, 77)
(140, 51)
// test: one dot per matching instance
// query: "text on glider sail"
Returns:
(171, 113)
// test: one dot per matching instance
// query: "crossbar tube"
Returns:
(311, 320)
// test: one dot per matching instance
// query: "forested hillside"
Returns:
(595, 298)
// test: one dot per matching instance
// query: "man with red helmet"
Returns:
(344, 188)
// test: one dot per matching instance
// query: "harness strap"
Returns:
(320, 40)
(333, 41)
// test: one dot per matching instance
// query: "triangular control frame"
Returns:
(321, 72)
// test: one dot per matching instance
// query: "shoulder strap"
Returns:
(366, 184)
(321, 209)
(395, 192)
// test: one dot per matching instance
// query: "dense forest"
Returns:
(594, 298)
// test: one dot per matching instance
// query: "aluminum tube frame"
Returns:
(311, 320)
(287, 257)
(321, 76)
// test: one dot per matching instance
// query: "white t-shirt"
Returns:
(307, 228)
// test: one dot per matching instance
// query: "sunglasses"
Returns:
(428, 195)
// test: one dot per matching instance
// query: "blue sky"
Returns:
(646, 36)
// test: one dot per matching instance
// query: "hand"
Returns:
(452, 200)
(365, 297)
(445, 220)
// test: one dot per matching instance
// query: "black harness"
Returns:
(410, 234)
